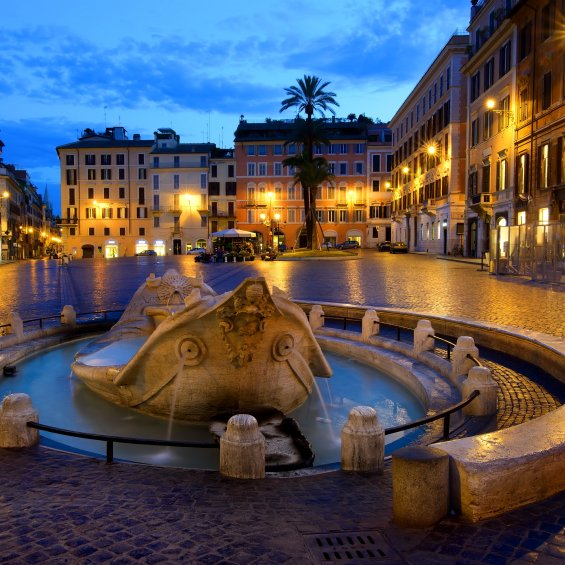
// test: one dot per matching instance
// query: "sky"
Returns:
(198, 66)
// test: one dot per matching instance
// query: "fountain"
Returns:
(181, 350)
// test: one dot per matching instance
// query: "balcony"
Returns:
(483, 198)
(68, 222)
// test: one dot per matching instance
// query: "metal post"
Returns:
(109, 451)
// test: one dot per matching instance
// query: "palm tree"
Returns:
(309, 96)
(310, 173)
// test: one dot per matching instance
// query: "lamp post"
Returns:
(508, 114)
(3, 197)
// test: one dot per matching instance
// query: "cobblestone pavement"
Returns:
(62, 508)
(57, 508)
(416, 282)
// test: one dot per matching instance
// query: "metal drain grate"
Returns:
(347, 548)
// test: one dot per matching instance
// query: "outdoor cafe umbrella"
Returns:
(233, 232)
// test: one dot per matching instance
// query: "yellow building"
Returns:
(121, 197)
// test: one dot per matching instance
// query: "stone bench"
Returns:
(497, 472)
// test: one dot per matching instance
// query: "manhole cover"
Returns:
(350, 547)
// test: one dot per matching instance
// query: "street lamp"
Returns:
(4, 196)
(491, 106)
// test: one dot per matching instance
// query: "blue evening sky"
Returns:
(198, 66)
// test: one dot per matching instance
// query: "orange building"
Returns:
(269, 202)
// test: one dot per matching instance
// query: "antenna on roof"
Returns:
(105, 125)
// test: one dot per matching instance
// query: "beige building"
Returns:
(491, 124)
(222, 190)
(121, 197)
(428, 178)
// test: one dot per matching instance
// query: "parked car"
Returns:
(398, 247)
(384, 246)
(146, 252)
(349, 244)
(196, 251)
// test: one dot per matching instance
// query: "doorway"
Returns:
(177, 247)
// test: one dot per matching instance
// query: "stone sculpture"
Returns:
(182, 350)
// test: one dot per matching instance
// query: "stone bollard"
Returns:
(242, 449)
(69, 316)
(362, 441)
(370, 325)
(460, 362)
(316, 317)
(16, 325)
(424, 336)
(486, 403)
(420, 486)
(15, 411)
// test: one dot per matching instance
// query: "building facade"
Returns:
(222, 190)
(270, 203)
(121, 197)
(428, 178)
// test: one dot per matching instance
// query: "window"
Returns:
(523, 168)
(524, 104)
(142, 174)
(332, 216)
(475, 85)
(142, 231)
(105, 174)
(485, 187)
(505, 55)
(343, 168)
(359, 168)
(250, 169)
(70, 159)
(141, 195)
(214, 188)
(121, 192)
(262, 169)
(277, 169)
(121, 174)
(343, 148)
(376, 167)
(90, 193)
(525, 41)
(546, 91)
(473, 183)
(389, 163)
(141, 212)
(359, 215)
(547, 20)
(140, 159)
(261, 150)
(155, 182)
(441, 86)
(71, 196)
(231, 188)
(487, 124)
(291, 215)
(106, 192)
(543, 216)
(91, 213)
(176, 161)
(203, 161)
(376, 185)
(343, 215)
(544, 166)
(71, 176)
(90, 231)
(504, 116)
(203, 180)
(501, 174)
(213, 171)
(120, 159)
(292, 192)
(250, 150)
(521, 218)
(90, 159)
(475, 132)
(359, 148)
(291, 149)
(107, 213)
(106, 160)
(448, 78)
(277, 149)
(231, 171)
(91, 174)
(155, 202)
(489, 73)
(176, 182)
(155, 162)
(331, 168)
